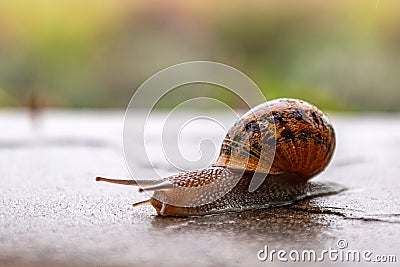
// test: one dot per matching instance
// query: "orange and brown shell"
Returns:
(280, 136)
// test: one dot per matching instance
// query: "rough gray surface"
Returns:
(52, 212)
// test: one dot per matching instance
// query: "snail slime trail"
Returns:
(284, 141)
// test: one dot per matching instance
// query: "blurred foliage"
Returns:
(341, 55)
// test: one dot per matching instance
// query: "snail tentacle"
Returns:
(142, 203)
(128, 182)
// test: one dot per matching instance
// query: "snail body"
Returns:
(284, 142)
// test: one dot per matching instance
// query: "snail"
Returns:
(286, 142)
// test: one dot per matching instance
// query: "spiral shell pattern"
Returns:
(292, 136)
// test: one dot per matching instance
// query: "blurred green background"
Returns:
(339, 55)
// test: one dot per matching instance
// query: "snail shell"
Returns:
(287, 140)
(303, 138)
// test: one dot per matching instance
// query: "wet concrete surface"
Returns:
(53, 213)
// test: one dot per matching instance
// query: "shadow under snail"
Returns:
(296, 141)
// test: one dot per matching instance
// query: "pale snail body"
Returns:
(304, 139)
